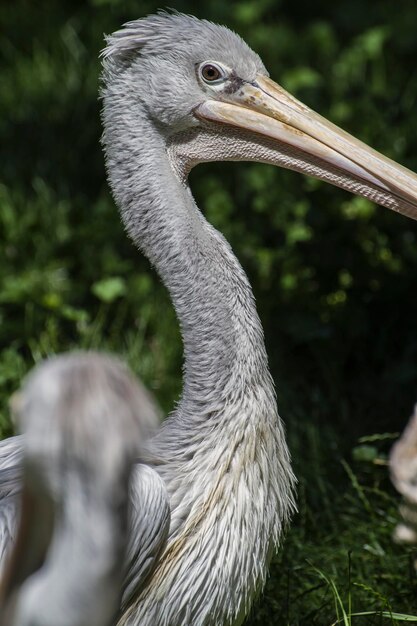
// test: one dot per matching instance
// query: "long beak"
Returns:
(264, 108)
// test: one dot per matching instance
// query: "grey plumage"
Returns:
(11, 454)
(218, 487)
(84, 417)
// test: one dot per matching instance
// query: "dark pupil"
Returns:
(210, 72)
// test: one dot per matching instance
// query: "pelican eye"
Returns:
(211, 73)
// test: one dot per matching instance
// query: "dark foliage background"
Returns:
(333, 275)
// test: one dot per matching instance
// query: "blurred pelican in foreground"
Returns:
(178, 91)
(83, 417)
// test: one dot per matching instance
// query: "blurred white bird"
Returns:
(84, 417)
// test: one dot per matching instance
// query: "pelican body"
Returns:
(178, 91)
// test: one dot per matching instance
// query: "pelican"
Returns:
(403, 471)
(178, 91)
(83, 416)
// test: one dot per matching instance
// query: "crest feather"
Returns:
(126, 42)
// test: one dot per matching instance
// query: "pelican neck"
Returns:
(221, 331)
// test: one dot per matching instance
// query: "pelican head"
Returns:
(211, 98)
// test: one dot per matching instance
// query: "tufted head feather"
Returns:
(182, 37)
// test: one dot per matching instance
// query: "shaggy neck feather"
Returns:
(222, 335)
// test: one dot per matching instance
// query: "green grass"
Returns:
(338, 564)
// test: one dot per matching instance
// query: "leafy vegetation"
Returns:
(334, 276)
